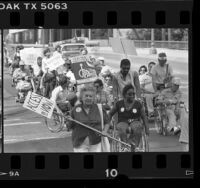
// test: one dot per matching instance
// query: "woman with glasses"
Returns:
(131, 117)
(142, 70)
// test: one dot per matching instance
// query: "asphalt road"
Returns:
(25, 131)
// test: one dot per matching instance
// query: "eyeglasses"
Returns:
(130, 94)
(97, 86)
(142, 70)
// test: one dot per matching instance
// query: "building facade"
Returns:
(46, 36)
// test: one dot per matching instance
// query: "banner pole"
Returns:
(99, 132)
(122, 43)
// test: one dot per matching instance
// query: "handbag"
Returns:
(105, 145)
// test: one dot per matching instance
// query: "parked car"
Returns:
(72, 49)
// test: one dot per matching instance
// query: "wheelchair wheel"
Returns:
(144, 144)
(158, 122)
(164, 126)
(55, 124)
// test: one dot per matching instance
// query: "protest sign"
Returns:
(55, 61)
(30, 55)
(84, 72)
(39, 104)
(123, 46)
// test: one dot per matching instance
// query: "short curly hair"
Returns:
(46, 50)
(126, 88)
(84, 89)
(99, 81)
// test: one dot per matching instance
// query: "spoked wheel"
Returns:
(55, 124)
(144, 144)
(158, 123)
(118, 147)
(164, 126)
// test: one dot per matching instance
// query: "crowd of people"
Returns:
(121, 95)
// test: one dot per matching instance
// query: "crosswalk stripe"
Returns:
(25, 139)
(26, 123)
(6, 120)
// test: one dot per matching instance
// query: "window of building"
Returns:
(31, 35)
(25, 35)
(17, 37)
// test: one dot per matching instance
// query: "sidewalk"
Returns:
(174, 55)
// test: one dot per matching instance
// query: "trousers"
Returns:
(86, 147)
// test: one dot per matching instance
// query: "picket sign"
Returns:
(84, 71)
(30, 55)
(55, 61)
(39, 104)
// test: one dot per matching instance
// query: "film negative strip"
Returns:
(39, 143)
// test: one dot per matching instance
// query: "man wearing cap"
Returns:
(172, 97)
(162, 73)
(21, 72)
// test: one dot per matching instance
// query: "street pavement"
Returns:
(25, 131)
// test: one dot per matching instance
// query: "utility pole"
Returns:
(169, 37)
(152, 49)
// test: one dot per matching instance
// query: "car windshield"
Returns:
(72, 48)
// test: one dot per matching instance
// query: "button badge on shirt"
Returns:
(78, 109)
(122, 109)
(134, 110)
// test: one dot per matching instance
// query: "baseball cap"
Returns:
(176, 81)
(21, 62)
(162, 55)
(97, 64)
(101, 59)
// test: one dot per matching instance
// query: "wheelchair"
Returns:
(58, 122)
(161, 120)
(118, 147)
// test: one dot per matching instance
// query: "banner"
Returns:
(39, 104)
(84, 72)
(30, 55)
(55, 61)
(123, 46)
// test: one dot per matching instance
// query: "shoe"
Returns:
(177, 130)
(169, 129)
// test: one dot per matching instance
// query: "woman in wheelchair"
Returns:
(171, 99)
(131, 117)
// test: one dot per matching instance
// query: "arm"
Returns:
(106, 121)
(154, 83)
(112, 112)
(137, 84)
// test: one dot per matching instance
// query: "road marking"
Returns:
(22, 139)
(26, 123)
(6, 120)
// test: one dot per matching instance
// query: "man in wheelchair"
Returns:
(171, 98)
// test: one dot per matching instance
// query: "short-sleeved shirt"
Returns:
(122, 83)
(125, 115)
(169, 95)
(93, 119)
(146, 80)
(19, 73)
(103, 98)
(160, 73)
